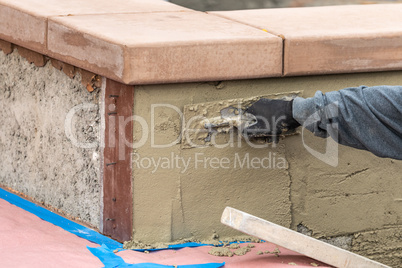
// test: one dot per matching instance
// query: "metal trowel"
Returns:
(231, 117)
(219, 122)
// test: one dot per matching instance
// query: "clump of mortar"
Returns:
(234, 246)
(226, 252)
(221, 252)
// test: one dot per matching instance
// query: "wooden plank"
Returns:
(295, 241)
(117, 179)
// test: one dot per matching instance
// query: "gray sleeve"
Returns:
(368, 118)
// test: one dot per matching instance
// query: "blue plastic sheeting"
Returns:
(105, 252)
(106, 256)
(60, 221)
(111, 260)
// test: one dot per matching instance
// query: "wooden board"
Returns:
(117, 179)
(295, 241)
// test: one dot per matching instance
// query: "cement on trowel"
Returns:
(194, 132)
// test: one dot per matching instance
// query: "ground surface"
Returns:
(28, 241)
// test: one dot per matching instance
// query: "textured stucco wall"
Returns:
(361, 195)
(36, 156)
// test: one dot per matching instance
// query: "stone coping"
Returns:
(148, 42)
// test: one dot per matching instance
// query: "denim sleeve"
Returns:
(367, 118)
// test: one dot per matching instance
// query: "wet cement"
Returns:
(186, 199)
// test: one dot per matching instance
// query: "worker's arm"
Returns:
(368, 118)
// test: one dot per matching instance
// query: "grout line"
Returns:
(47, 34)
(283, 53)
(242, 22)
(259, 28)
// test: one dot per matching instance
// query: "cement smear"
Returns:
(36, 157)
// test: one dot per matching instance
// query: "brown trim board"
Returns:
(117, 177)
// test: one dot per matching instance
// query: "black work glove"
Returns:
(274, 117)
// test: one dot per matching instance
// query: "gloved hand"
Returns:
(274, 117)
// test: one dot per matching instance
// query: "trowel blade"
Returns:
(231, 117)
(223, 122)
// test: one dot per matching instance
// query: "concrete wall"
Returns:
(212, 5)
(348, 204)
(37, 158)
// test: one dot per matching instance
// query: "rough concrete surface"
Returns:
(36, 157)
(381, 245)
(359, 195)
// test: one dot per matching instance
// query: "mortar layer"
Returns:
(382, 245)
(37, 158)
(186, 200)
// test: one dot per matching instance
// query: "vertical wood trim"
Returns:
(117, 176)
